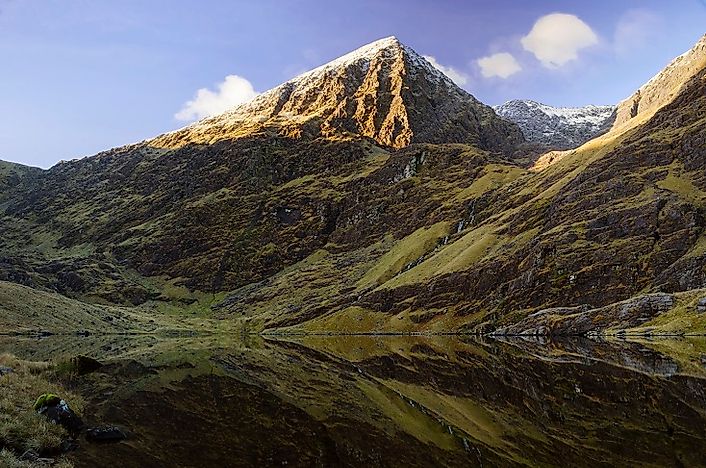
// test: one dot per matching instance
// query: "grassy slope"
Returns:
(463, 251)
(27, 310)
(333, 275)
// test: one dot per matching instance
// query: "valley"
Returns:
(478, 242)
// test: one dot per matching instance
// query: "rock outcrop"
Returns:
(583, 320)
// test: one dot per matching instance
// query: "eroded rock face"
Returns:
(701, 305)
(384, 91)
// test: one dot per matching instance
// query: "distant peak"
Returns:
(557, 127)
(547, 108)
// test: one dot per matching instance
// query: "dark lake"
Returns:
(388, 401)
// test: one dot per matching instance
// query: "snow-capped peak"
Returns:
(383, 90)
(360, 59)
(663, 86)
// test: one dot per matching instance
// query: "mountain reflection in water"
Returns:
(389, 401)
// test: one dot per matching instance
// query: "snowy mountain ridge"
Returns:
(557, 127)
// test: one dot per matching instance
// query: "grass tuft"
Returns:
(22, 429)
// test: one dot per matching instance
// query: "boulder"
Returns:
(105, 434)
(85, 365)
(57, 411)
(700, 306)
(5, 370)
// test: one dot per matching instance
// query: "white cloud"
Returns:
(502, 65)
(456, 76)
(234, 90)
(557, 38)
(634, 29)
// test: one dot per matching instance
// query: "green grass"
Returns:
(683, 318)
(407, 250)
(682, 185)
(495, 176)
(456, 256)
(26, 310)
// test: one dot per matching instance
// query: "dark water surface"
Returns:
(388, 401)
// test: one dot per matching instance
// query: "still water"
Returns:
(389, 401)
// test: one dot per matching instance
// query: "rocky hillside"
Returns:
(13, 175)
(351, 209)
(557, 128)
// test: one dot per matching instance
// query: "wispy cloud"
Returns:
(456, 76)
(234, 90)
(634, 30)
(501, 65)
(556, 39)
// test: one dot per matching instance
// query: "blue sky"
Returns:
(80, 76)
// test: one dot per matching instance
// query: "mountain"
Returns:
(384, 91)
(557, 127)
(563, 128)
(236, 198)
(372, 194)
